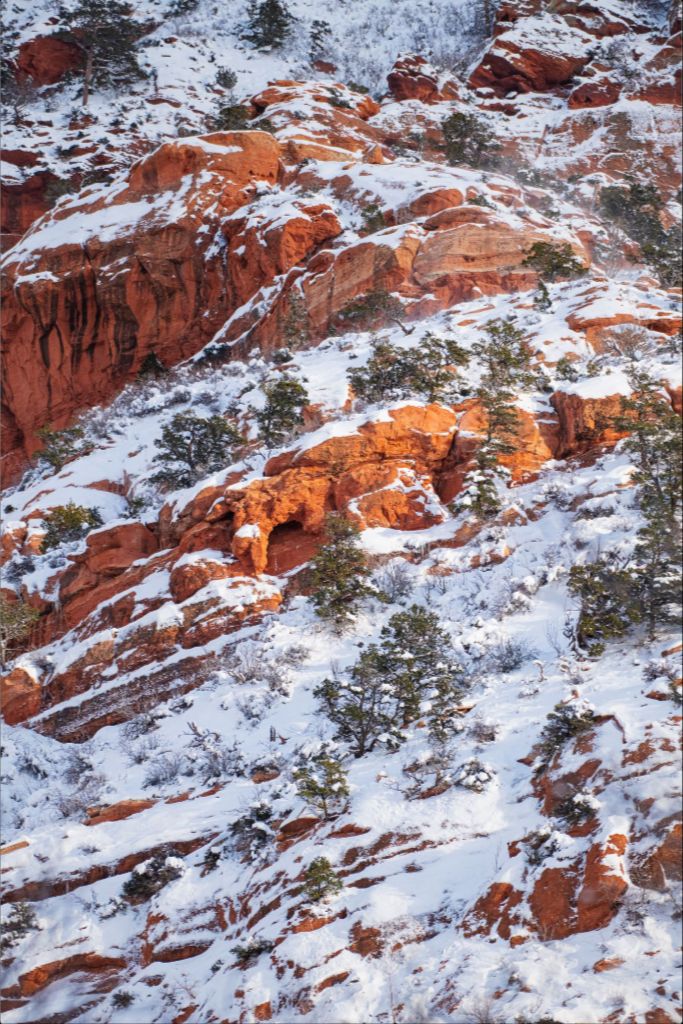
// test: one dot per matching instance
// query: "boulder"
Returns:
(20, 691)
(599, 92)
(45, 60)
(531, 57)
(413, 78)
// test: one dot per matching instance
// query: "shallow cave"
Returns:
(289, 545)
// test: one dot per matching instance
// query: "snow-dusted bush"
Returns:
(483, 731)
(250, 832)
(252, 665)
(251, 950)
(541, 844)
(577, 808)
(19, 920)
(508, 654)
(86, 794)
(295, 655)
(163, 769)
(150, 877)
(16, 621)
(67, 523)
(122, 999)
(212, 758)
(474, 775)
(395, 581)
(565, 722)
(433, 770)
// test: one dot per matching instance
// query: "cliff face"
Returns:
(158, 710)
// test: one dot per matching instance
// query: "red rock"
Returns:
(349, 830)
(517, 61)
(184, 1015)
(585, 423)
(117, 320)
(413, 78)
(552, 903)
(599, 92)
(22, 203)
(37, 978)
(20, 696)
(189, 577)
(334, 979)
(298, 827)
(495, 908)
(662, 864)
(608, 964)
(300, 488)
(366, 942)
(311, 924)
(47, 59)
(117, 812)
(20, 845)
(263, 1011)
(604, 884)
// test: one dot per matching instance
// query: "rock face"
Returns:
(77, 344)
(523, 59)
(23, 203)
(413, 78)
(47, 59)
(203, 226)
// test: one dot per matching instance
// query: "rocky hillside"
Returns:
(341, 521)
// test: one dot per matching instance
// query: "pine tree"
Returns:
(375, 308)
(339, 573)
(469, 140)
(106, 34)
(506, 358)
(319, 36)
(636, 209)
(19, 921)
(322, 783)
(60, 446)
(283, 410)
(296, 331)
(655, 442)
(554, 261)
(16, 621)
(542, 300)
(269, 24)
(608, 607)
(411, 672)
(67, 523)
(418, 663)
(191, 447)
(428, 370)
(321, 880)
(363, 708)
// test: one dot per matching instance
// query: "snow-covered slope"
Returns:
(159, 710)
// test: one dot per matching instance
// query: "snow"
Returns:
(423, 863)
